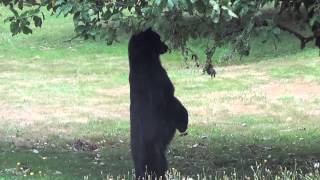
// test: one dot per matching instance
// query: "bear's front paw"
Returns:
(183, 133)
(182, 127)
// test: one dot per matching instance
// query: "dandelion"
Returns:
(44, 158)
(31, 173)
(18, 163)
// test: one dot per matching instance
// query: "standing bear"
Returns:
(155, 113)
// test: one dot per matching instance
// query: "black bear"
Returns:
(155, 113)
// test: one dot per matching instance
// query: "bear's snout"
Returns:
(163, 49)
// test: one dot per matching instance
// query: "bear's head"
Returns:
(148, 40)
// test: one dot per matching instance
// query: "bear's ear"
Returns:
(149, 29)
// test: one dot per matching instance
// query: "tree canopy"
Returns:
(177, 20)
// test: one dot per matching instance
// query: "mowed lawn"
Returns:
(262, 113)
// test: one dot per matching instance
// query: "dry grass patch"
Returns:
(298, 89)
(115, 92)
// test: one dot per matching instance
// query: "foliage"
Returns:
(178, 21)
(105, 19)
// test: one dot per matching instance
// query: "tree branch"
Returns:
(303, 40)
(69, 40)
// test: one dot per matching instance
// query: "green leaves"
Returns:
(20, 22)
(20, 4)
(105, 20)
(65, 9)
(157, 2)
(315, 19)
(170, 4)
(215, 14)
(229, 13)
(14, 27)
(18, 26)
(177, 20)
(26, 29)
(276, 30)
(37, 21)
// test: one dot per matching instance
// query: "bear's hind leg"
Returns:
(157, 162)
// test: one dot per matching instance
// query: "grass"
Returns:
(258, 118)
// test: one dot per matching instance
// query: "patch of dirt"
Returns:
(120, 111)
(251, 102)
(22, 117)
(242, 70)
(118, 91)
(235, 107)
(232, 71)
(233, 68)
(241, 108)
(297, 89)
(29, 113)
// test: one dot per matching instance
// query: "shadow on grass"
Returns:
(209, 150)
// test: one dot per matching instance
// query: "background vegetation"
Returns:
(220, 22)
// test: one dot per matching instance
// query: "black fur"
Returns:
(155, 113)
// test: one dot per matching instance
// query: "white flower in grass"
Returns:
(316, 165)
